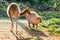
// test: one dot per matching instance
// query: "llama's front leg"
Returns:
(16, 26)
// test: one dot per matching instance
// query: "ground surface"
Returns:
(24, 33)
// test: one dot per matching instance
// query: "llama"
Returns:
(33, 19)
(13, 11)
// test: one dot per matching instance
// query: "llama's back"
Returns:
(13, 10)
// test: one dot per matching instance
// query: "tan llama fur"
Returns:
(13, 11)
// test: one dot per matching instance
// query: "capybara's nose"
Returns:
(40, 20)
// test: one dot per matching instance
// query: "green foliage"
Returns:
(22, 6)
(53, 26)
(3, 7)
(49, 14)
(43, 4)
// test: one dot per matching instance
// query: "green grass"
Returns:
(52, 26)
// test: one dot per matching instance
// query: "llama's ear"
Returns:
(27, 7)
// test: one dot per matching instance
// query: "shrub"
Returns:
(53, 26)
(49, 14)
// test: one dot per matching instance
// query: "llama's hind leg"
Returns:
(12, 24)
(16, 24)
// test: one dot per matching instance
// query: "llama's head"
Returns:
(25, 12)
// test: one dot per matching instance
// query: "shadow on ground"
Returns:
(32, 32)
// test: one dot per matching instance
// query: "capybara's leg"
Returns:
(29, 24)
(36, 26)
(33, 25)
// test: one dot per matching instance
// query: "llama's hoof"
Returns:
(16, 32)
(11, 31)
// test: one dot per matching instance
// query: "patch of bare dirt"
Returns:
(24, 33)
